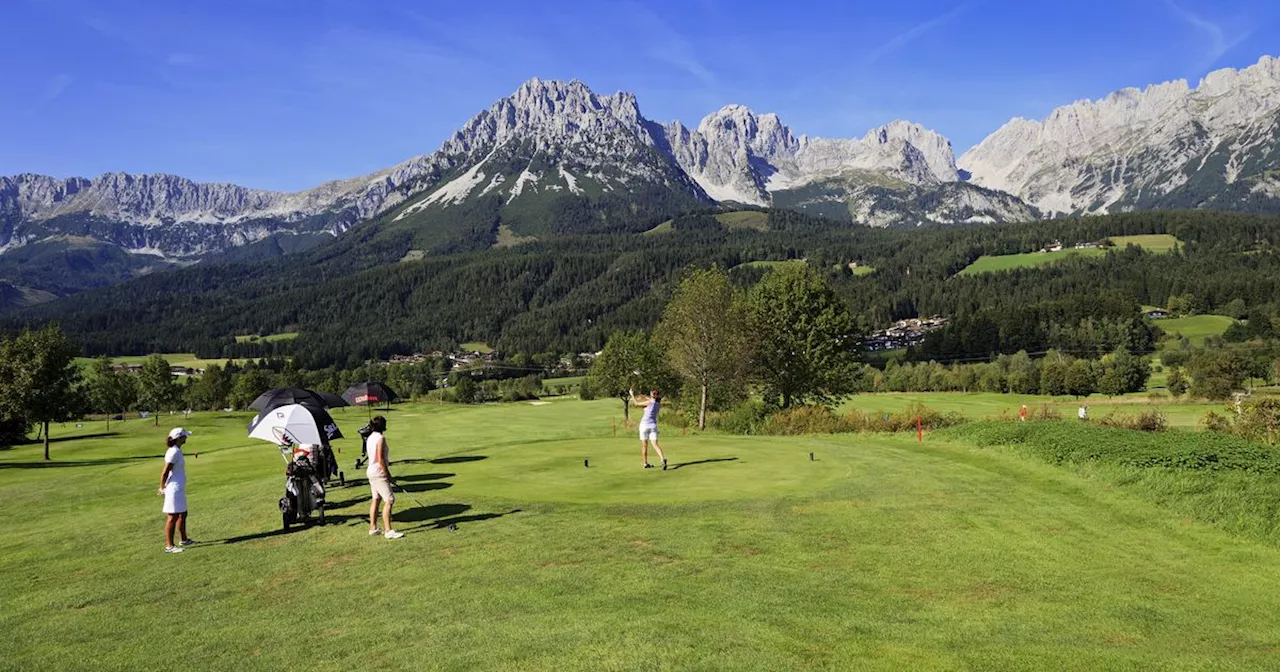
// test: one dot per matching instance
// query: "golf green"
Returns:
(880, 553)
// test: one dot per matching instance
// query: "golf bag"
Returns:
(364, 433)
(303, 489)
(326, 465)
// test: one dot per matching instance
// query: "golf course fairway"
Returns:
(880, 553)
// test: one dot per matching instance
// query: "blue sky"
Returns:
(284, 94)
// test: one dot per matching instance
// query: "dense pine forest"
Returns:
(367, 295)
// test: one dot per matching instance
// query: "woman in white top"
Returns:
(173, 487)
(379, 479)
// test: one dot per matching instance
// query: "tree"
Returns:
(1216, 373)
(1177, 383)
(110, 391)
(464, 389)
(156, 389)
(703, 332)
(42, 381)
(626, 362)
(212, 390)
(1122, 373)
(804, 337)
(251, 383)
(1053, 374)
(1080, 379)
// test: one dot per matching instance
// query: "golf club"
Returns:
(406, 494)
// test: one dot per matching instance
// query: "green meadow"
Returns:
(1155, 243)
(960, 552)
(1195, 328)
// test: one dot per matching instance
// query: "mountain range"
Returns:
(557, 158)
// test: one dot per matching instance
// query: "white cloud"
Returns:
(669, 46)
(906, 37)
(53, 88)
(1217, 44)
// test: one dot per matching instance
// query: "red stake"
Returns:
(919, 430)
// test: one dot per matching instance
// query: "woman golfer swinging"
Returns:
(649, 425)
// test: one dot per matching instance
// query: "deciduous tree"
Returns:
(703, 333)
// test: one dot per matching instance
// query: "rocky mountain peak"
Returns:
(1135, 146)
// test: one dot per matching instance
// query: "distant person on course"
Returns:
(379, 479)
(649, 425)
(1022, 414)
(173, 487)
(1083, 413)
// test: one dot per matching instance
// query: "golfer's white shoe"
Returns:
(374, 532)
(188, 542)
(392, 534)
(174, 549)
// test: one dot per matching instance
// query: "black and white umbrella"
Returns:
(282, 396)
(295, 423)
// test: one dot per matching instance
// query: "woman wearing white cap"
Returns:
(173, 486)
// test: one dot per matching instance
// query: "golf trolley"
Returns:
(307, 470)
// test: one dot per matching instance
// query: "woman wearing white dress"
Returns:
(173, 487)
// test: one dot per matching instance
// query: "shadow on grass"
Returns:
(329, 519)
(415, 478)
(423, 487)
(60, 439)
(439, 516)
(458, 459)
(77, 463)
(691, 464)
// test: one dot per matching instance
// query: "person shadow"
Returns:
(710, 461)
(445, 515)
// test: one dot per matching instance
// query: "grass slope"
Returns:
(185, 359)
(988, 405)
(744, 219)
(1155, 243)
(881, 554)
(1196, 327)
(269, 338)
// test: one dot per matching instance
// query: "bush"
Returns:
(1145, 421)
(747, 418)
(1215, 423)
(1060, 442)
(804, 420)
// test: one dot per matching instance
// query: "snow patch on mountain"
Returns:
(571, 181)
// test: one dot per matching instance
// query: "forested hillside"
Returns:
(359, 298)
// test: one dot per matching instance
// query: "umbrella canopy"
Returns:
(331, 400)
(295, 423)
(282, 396)
(368, 393)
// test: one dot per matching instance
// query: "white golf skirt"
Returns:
(175, 499)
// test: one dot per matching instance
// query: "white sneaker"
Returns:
(174, 549)
(392, 534)
(374, 532)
